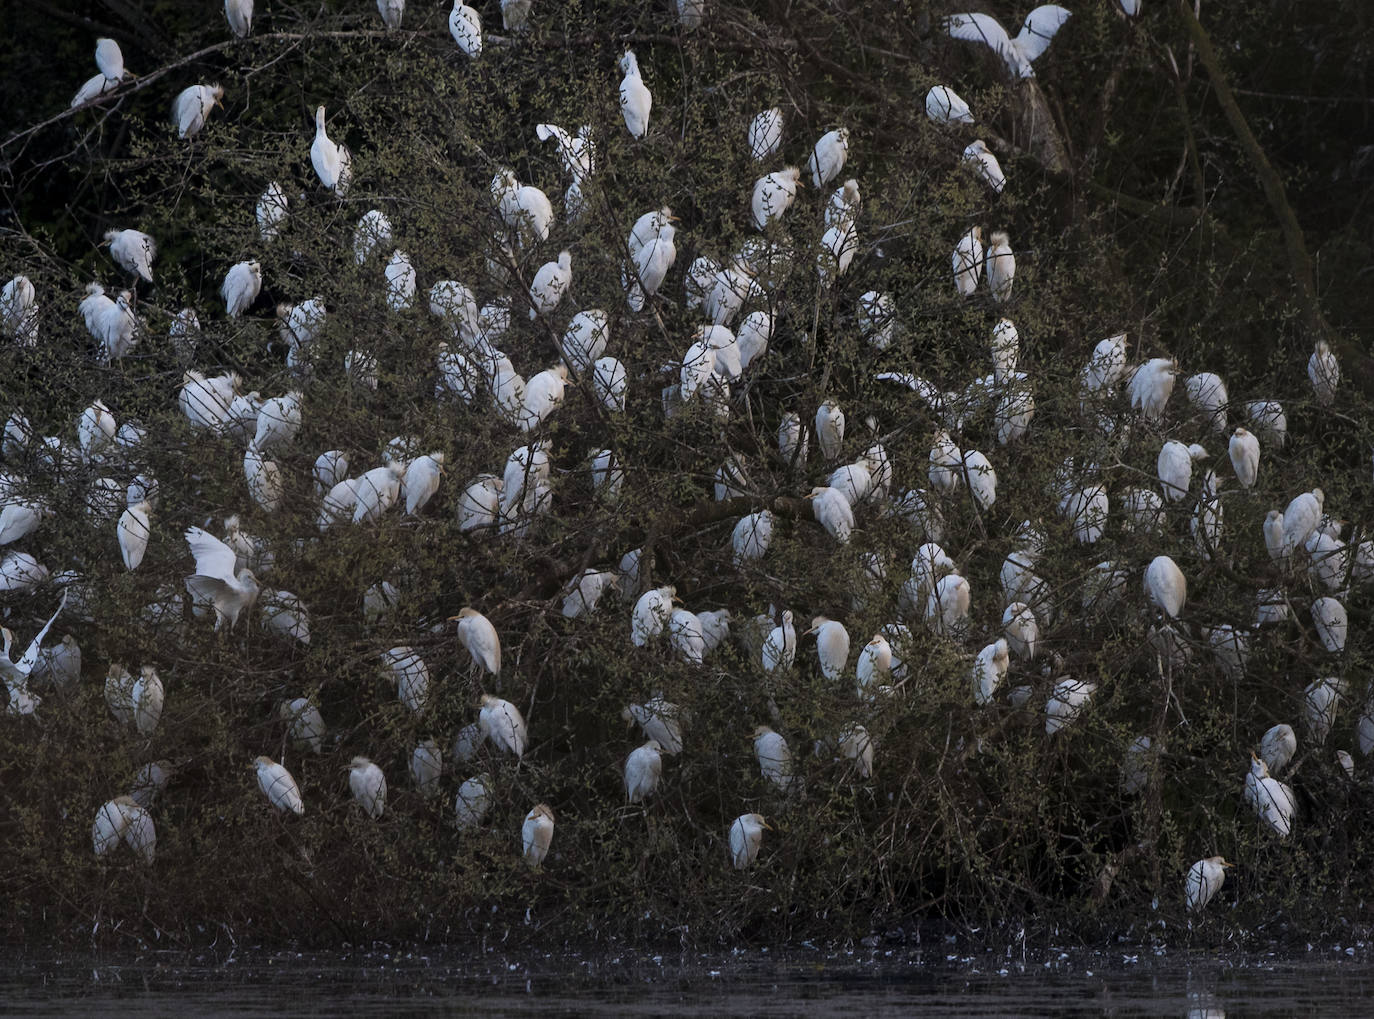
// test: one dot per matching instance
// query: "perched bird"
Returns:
(326, 157)
(473, 801)
(774, 194)
(774, 757)
(828, 156)
(780, 646)
(1204, 880)
(830, 429)
(133, 530)
(980, 158)
(391, 12)
(305, 723)
(215, 582)
(944, 106)
(502, 724)
(242, 284)
(426, 765)
(536, 834)
(1017, 54)
(1300, 519)
(278, 786)
(1001, 266)
(746, 835)
(1273, 800)
(368, 785)
(271, 210)
(989, 669)
(515, 13)
(1244, 451)
(968, 262)
(192, 106)
(752, 536)
(832, 511)
(1324, 372)
(1207, 393)
(642, 770)
(1068, 700)
(239, 14)
(635, 100)
(549, 285)
(1165, 586)
(479, 637)
(133, 251)
(1175, 467)
(465, 25)
(765, 133)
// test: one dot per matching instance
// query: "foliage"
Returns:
(973, 814)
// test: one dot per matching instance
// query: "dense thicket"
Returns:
(1155, 222)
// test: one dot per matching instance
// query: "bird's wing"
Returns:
(30, 658)
(982, 28)
(214, 559)
(1041, 24)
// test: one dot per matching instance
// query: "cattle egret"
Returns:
(479, 637)
(968, 262)
(215, 581)
(947, 605)
(828, 156)
(1021, 629)
(752, 536)
(1165, 586)
(1267, 419)
(465, 25)
(19, 311)
(391, 12)
(1207, 393)
(1067, 702)
(325, 156)
(1244, 450)
(473, 801)
(774, 757)
(830, 429)
(642, 770)
(1001, 266)
(989, 669)
(944, 106)
(278, 786)
(271, 211)
(982, 479)
(192, 106)
(1273, 800)
(550, 283)
(543, 394)
(855, 744)
(515, 13)
(1320, 701)
(765, 133)
(536, 834)
(651, 613)
(746, 835)
(133, 251)
(502, 724)
(635, 100)
(584, 341)
(832, 511)
(874, 665)
(1019, 53)
(832, 646)
(241, 286)
(1105, 368)
(780, 646)
(1331, 621)
(1204, 880)
(659, 720)
(978, 156)
(1152, 385)
(240, 16)
(1175, 466)
(774, 194)
(1324, 372)
(368, 786)
(1301, 518)
(305, 724)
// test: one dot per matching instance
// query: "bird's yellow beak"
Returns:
(767, 825)
(1225, 864)
(810, 631)
(453, 619)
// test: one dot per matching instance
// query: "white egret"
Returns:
(982, 479)
(774, 194)
(830, 429)
(828, 156)
(215, 581)
(1273, 800)
(536, 834)
(765, 133)
(1329, 617)
(391, 11)
(305, 724)
(133, 251)
(752, 536)
(1151, 386)
(585, 339)
(502, 724)
(242, 284)
(780, 646)
(272, 210)
(1324, 372)
(968, 262)
(746, 835)
(1068, 700)
(1267, 419)
(550, 283)
(478, 636)
(1019, 53)
(989, 669)
(1175, 467)
(543, 394)
(832, 646)
(947, 605)
(1207, 393)
(1166, 586)
(192, 107)
(473, 801)
(651, 613)
(1301, 518)
(239, 14)
(774, 757)
(946, 470)
(19, 311)
(687, 636)
(465, 25)
(978, 156)
(1021, 630)
(426, 766)
(515, 14)
(326, 157)
(372, 232)
(833, 512)
(368, 785)
(266, 483)
(944, 106)
(133, 530)
(855, 744)
(642, 770)
(1204, 880)
(1001, 266)
(1244, 451)
(1320, 700)
(659, 720)
(874, 665)
(635, 100)
(279, 786)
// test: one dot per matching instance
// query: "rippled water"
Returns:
(1324, 980)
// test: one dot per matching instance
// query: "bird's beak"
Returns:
(676, 600)
(674, 219)
(810, 631)
(1225, 864)
(767, 825)
(809, 495)
(454, 618)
